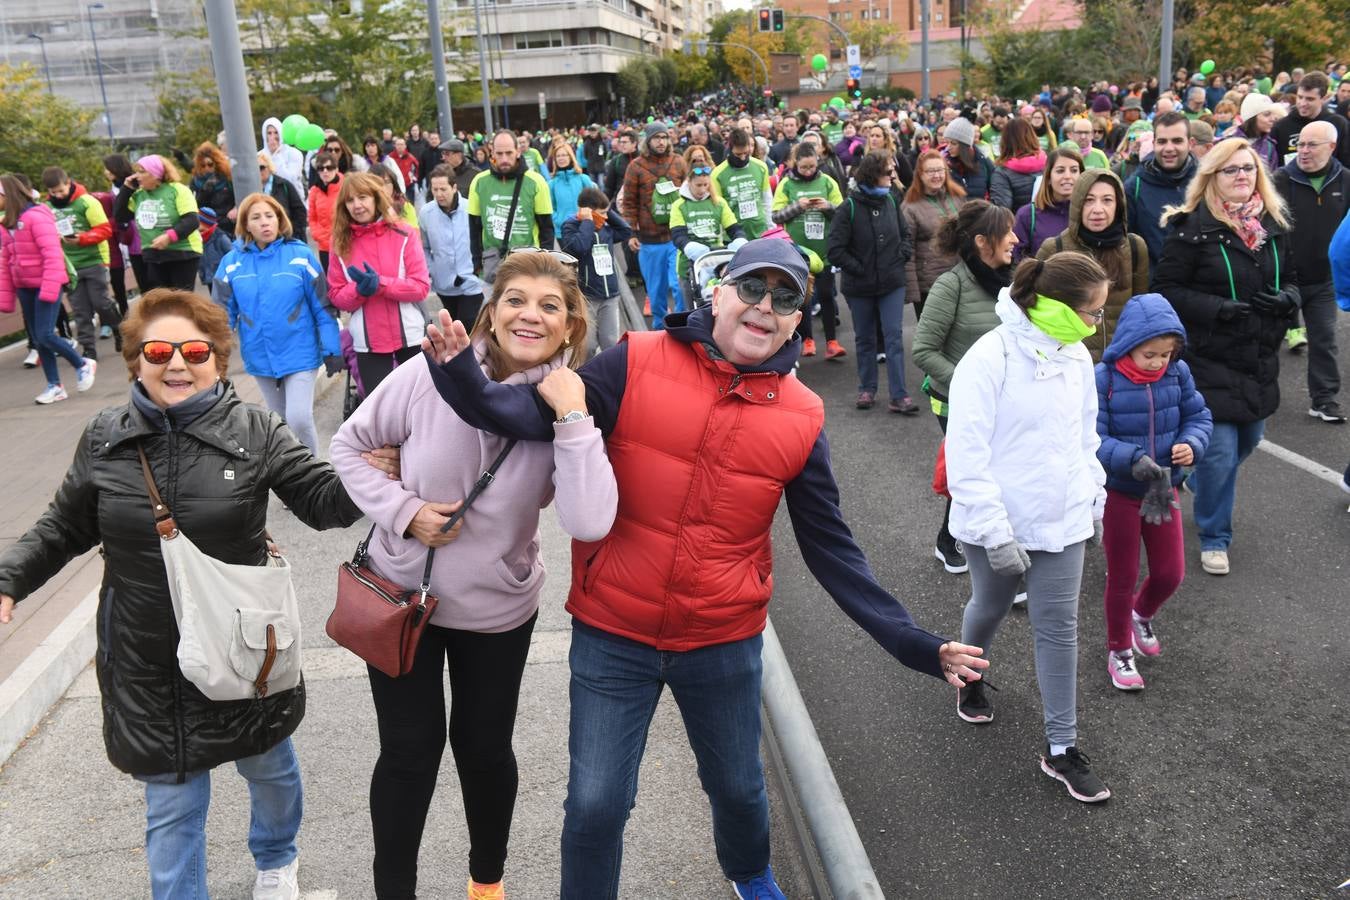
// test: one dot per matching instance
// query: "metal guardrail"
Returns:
(847, 869)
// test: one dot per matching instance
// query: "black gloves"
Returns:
(1145, 469)
(334, 365)
(1234, 310)
(1279, 305)
(1158, 503)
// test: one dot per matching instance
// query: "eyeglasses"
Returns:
(566, 259)
(262, 168)
(1098, 131)
(701, 170)
(1311, 145)
(1096, 315)
(1234, 171)
(159, 353)
(785, 301)
(327, 168)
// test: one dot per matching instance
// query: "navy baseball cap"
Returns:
(769, 253)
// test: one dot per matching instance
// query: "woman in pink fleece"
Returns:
(33, 272)
(488, 574)
(376, 271)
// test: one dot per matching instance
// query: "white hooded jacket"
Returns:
(1022, 439)
(287, 161)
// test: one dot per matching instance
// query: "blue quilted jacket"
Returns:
(1135, 419)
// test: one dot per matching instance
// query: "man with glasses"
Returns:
(1160, 181)
(651, 184)
(1083, 132)
(707, 431)
(1317, 188)
(1310, 106)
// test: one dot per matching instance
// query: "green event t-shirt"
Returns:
(74, 219)
(744, 189)
(705, 220)
(810, 228)
(833, 131)
(156, 211)
(490, 200)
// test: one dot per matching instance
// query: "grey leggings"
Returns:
(292, 398)
(1053, 583)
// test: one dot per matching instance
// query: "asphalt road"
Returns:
(1229, 771)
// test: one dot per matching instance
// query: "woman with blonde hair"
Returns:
(212, 183)
(377, 272)
(285, 193)
(165, 213)
(1227, 269)
(566, 181)
(274, 289)
(489, 574)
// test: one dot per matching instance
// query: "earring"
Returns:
(567, 341)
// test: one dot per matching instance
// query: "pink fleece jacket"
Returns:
(31, 257)
(1027, 165)
(386, 320)
(489, 578)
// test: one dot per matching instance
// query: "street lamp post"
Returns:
(482, 71)
(98, 61)
(46, 69)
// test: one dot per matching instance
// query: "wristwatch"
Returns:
(575, 415)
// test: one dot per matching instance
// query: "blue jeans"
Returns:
(175, 830)
(40, 320)
(657, 262)
(1215, 480)
(891, 308)
(615, 686)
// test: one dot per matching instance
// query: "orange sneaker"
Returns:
(808, 347)
(486, 891)
(834, 350)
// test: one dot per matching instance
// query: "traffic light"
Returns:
(777, 20)
(854, 87)
(765, 19)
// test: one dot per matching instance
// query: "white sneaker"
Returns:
(31, 360)
(1215, 562)
(278, 884)
(52, 394)
(1020, 599)
(86, 379)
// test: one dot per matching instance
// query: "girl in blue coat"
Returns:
(1153, 423)
(274, 289)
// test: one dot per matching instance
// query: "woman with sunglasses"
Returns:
(274, 290)
(157, 726)
(342, 156)
(284, 193)
(322, 199)
(378, 273)
(1024, 399)
(1227, 268)
(488, 574)
(211, 183)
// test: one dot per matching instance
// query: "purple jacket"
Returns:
(1049, 222)
(489, 578)
(31, 257)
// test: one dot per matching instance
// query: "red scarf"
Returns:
(1126, 367)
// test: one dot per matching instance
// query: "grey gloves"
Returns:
(1158, 503)
(1145, 469)
(1008, 559)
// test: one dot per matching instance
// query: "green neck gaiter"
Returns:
(1058, 320)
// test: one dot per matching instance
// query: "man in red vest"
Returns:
(676, 594)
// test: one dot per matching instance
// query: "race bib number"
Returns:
(747, 209)
(602, 260)
(666, 187)
(147, 214)
(65, 226)
(815, 229)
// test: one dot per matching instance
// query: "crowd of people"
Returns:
(1104, 280)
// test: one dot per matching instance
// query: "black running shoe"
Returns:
(973, 704)
(1071, 768)
(950, 555)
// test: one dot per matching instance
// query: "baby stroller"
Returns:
(707, 272)
(353, 391)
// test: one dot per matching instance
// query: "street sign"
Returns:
(854, 55)
(543, 106)
(855, 71)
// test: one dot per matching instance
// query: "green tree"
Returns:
(695, 73)
(1019, 59)
(667, 78)
(1296, 32)
(189, 111)
(631, 85)
(38, 129)
(874, 39)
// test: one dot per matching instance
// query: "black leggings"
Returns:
(485, 673)
(375, 367)
(118, 279)
(178, 273)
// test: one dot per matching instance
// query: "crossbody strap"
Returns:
(164, 523)
(511, 214)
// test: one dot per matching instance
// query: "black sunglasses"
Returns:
(785, 301)
(327, 168)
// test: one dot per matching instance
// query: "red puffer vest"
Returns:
(701, 454)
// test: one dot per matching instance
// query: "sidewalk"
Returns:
(72, 826)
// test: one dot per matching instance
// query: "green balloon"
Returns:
(838, 102)
(782, 104)
(1206, 67)
(311, 137)
(651, 119)
(291, 127)
(478, 137)
(819, 63)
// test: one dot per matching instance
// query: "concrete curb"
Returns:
(47, 673)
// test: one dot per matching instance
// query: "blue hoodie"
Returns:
(1339, 253)
(1137, 419)
(275, 297)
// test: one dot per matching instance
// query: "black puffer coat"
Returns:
(1235, 361)
(870, 243)
(215, 474)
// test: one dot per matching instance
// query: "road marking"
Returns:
(319, 895)
(1295, 459)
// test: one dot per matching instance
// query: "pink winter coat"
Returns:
(392, 317)
(31, 257)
